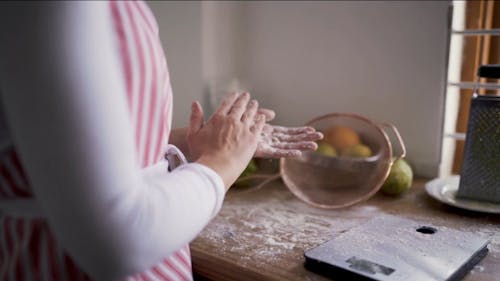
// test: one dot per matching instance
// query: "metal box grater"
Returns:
(480, 174)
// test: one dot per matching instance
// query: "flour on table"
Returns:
(267, 230)
(277, 228)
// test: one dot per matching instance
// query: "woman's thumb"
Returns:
(196, 120)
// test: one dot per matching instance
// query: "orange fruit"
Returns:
(341, 137)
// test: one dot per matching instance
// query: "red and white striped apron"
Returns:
(28, 250)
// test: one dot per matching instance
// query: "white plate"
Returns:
(445, 190)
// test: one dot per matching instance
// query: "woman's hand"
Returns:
(275, 141)
(278, 141)
(228, 140)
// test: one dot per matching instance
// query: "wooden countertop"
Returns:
(262, 235)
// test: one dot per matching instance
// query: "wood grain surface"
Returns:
(262, 235)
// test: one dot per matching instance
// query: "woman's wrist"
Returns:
(223, 167)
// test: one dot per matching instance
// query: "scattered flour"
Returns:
(478, 268)
(266, 229)
(277, 228)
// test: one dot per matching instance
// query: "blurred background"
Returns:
(408, 63)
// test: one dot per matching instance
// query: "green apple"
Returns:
(326, 149)
(400, 178)
(358, 150)
(250, 169)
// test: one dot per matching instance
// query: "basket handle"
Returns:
(398, 137)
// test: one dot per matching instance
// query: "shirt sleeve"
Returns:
(64, 99)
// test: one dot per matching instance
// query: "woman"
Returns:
(85, 191)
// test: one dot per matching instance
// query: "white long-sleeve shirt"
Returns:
(87, 101)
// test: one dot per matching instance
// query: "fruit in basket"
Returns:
(250, 169)
(400, 178)
(341, 137)
(358, 150)
(326, 149)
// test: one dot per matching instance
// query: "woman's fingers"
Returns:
(266, 151)
(280, 153)
(250, 114)
(236, 106)
(314, 136)
(268, 129)
(227, 104)
(239, 106)
(293, 130)
(268, 113)
(196, 119)
(304, 145)
(276, 149)
(260, 121)
(278, 141)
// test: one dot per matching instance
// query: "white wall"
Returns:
(180, 32)
(384, 60)
(221, 34)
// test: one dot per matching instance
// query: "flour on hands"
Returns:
(279, 141)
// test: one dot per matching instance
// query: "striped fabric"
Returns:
(28, 250)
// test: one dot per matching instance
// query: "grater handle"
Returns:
(489, 71)
(400, 141)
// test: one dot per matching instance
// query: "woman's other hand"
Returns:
(228, 140)
(278, 141)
